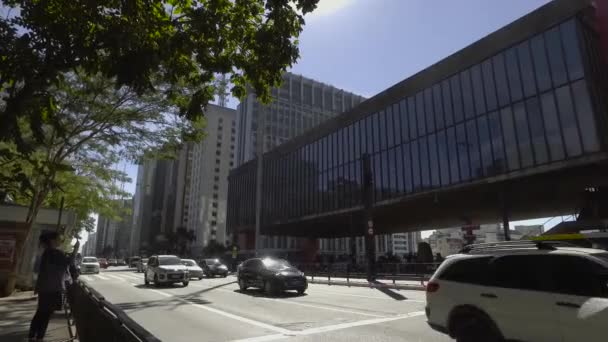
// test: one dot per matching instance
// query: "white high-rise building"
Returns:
(207, 191)
(298, 105)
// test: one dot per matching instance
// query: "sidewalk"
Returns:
(358, 282)
(17, 311)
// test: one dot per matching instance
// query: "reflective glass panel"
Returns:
(474, 153)
(502, 85)
(467, 94)
(480, 103)
(444, 161)
(568, 121)
(447, 102)
(429, 111)
(523, 135)
(508, 129)
(420, 118)
(552, 127)
(537, 130)
(526, 68)
(463, 152)
(586, 119)
(434, 162)
(557, 63)
(453, 155)
(513, 75)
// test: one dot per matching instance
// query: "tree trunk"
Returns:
(32, 212)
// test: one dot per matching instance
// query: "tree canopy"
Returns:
(148, 46)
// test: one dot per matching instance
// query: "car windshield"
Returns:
(169, 261)
(89, 260)
(188, 263)
(276, 264)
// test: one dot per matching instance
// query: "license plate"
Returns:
(175, 276)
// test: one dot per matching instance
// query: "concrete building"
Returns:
(207, 190)
(161, 202)
(113, 234)
(298, 105)
(405, 243)
(89, 247)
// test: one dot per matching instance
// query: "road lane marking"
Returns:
(115, 277)
(229, 315)
(131, 276)
(85, 277)
(99, 276)
(330, 328)
(371, 297)
(321, 307)
(358, 323)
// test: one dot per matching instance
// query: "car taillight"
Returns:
(432, 287)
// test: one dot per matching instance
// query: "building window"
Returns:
(215, 187)
(219, 144)
(214, 196)
(214, 204)
(217, 169)
(218, 152)
(214, 223)
(214, 214)
(217, 161)
(217, 178)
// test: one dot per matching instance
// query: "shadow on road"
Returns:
(390, 292)
(261, 293)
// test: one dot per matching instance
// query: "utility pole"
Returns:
(259, 170)
(370, 241)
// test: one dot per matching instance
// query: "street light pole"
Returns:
(370, 241)
(258, 182)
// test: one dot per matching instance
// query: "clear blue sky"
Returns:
(366, 46)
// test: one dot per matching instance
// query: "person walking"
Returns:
(50, 284)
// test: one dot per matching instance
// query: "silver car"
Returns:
(166, 269)
(89, 265)
(194, 270)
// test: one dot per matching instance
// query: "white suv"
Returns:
(166, 269)
(524, 291)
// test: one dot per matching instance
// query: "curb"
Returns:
(360, 284)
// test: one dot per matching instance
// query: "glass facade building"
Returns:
(528, 105)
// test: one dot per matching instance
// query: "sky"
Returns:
(366, 46)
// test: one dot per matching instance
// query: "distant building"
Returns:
(112, 235)
(161, 201)
(89, 248)
(297, 106)
(405, 243)
(450, 241)
(207, 186)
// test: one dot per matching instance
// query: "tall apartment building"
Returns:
(162, 201)
(89, 248)
(114, 233)
(207, 189)
(298, 105)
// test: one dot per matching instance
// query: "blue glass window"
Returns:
(444, 159)
(453, 155)
(485, 145)
(480, 103)
(434, 162)
(457, 98)
(463, 152)
(513, 75)
(429, 112)
(556, 57)
(439, 121)
(523, 135)
(488, 83)
(467, 94)
(447, 102)
(415, 160)
(411, 115)
(585, 116)
(420, 114)
(572, 49)
(405, 133)
(474, 153)
(407, 168)
(537, 131)
(526, 68)
(568, 120)
(498, 148)
(541, 65)
(502, 84)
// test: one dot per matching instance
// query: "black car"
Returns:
(213, 267)
(271, 275)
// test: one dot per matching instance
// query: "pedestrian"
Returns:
(50, 284)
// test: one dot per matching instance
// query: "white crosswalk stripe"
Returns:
(99, 276)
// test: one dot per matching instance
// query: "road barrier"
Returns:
(384, 271)
(100, 321)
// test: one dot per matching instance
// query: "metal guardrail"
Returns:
(385, 271)
(100, 321)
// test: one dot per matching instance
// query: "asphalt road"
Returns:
(216, 310)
